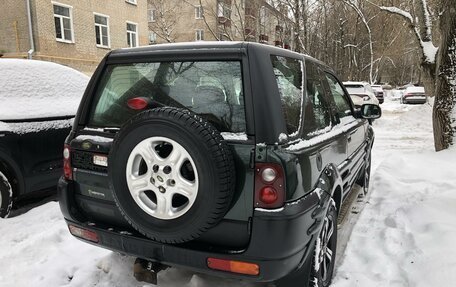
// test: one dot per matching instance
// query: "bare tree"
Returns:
(355, 5)
(419, 22)
(444, 112)
(234, 19)
(163, 19)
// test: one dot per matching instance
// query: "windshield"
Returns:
(212, 90)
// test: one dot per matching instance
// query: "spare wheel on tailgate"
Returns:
(172, 174)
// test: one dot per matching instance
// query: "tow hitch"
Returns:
(147, 271)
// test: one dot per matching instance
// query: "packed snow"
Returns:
(36, 89)
(404, 235)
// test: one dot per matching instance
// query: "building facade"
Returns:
(76, 33)
(219, 20)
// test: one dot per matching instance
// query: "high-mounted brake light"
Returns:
(234, 266)
(67, 170)
(269, 185)
(138, 103)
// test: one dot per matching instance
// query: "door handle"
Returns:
(349, 139)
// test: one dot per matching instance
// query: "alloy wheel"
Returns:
(162, 178)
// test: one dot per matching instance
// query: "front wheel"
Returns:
(364, 179)
(6, 196)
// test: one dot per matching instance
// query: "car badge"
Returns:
(86, 145)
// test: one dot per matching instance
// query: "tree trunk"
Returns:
(445, 92)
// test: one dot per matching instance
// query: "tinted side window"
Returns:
(288, 73)
(342, 104)
(316, 113)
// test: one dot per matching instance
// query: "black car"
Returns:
(231, 159)
(38, 104)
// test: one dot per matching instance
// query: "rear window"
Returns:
(417, 90)
(355, 89)
(212, 90)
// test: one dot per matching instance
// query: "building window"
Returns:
(223, 10)
(131, 1)
(151, 15)
(152, 38)
(199, 35)
(63, 23)
(102, 30)
(199, 12)
(263, 20)
(132, 34)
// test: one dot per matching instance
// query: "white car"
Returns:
(379, 93)
(361, 93)
(414, 95)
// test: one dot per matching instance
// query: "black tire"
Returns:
(6, 196)
(364, 178)
(322, 273)
(213, 161)
(304, 277)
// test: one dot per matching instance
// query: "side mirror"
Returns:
(371, 111)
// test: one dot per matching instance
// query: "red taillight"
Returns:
(67, 170)
(268, 195)
(138, 103)
(83, 233)
(234, 266)
(269, 185)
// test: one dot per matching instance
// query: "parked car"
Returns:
(361, 93)
(379, 93)
(414, 95)
(207, 156)
(38, 103)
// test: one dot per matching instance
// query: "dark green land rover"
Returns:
(230, 159)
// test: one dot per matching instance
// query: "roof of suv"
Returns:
(208, 45)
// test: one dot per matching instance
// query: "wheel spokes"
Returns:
(139, 184)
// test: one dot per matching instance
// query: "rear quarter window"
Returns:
(289, 77)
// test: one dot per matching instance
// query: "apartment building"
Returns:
(235, 20)
(77, 33)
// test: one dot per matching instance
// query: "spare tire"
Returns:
(172, 174)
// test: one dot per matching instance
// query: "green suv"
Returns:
(230, 159)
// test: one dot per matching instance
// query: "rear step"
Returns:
(147, 271)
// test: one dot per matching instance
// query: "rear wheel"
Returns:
(325, 250)
(6, 196)
(324, 256)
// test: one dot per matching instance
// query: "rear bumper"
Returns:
(414, 100)
(281, 240)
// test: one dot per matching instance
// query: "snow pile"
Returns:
(405, 234)
(37, 89)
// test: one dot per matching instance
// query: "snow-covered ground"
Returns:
(403, 237)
